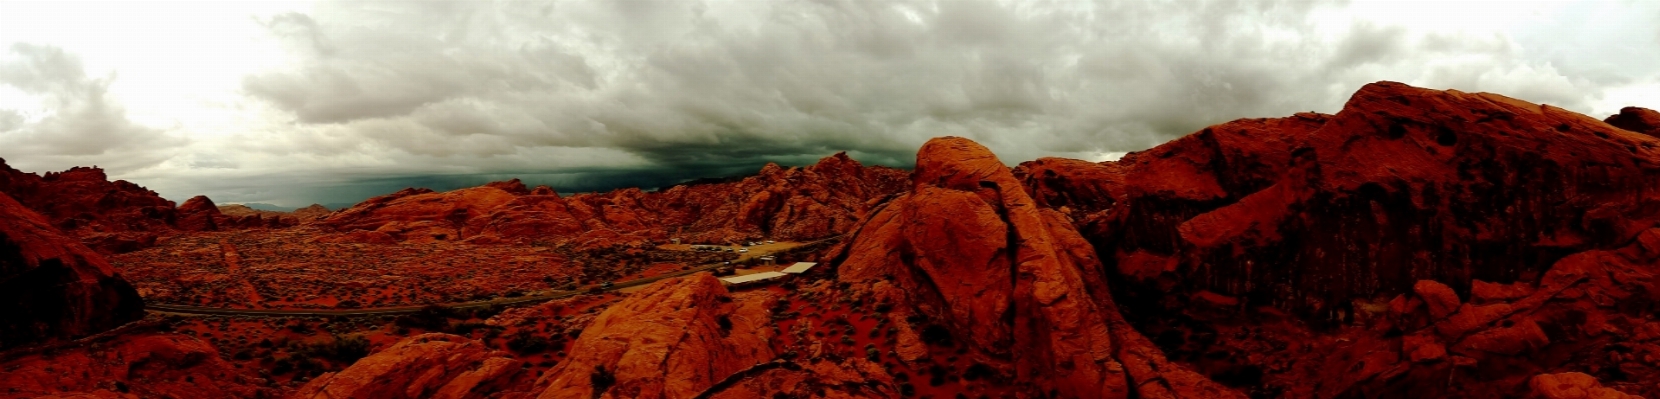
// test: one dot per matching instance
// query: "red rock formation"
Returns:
(421, 215)
(200, 214)
(244, 217)
(969, 250)
(817, 201)
(1572, 386)
(1494, 219)
(145, 365)
(1071, 186)
(109, 216)
(423, 366)
(1636, 119)
(113, 217)
(674, 339)
(311, 213)
(853, 378)
(1577, 316)
(1404, 184)
(52, 286)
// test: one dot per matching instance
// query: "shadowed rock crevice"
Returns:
(55, 288)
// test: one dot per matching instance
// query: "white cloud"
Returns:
(74, 120)
(315, 94)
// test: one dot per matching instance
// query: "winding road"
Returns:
(200, 310)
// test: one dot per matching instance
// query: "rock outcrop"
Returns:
(53, 287)
(421, 215)
(199, 214)
(139, 365)
(1636, 119)
(423, 366)
(816, 201)
(113, 217)
(675, 339)
(245, 217)
(109, 216)
(1516, 240)
(311, 213)
(968, 250)
(1572, 386)
(1404, 184)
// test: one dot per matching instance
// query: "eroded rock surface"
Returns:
(1637, 119)
(675, 339)
(141, 365)
(422, 366)
(970, 251)
(53, 287)
(1513, 238)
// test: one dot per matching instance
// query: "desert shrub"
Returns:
(282, 366)
(725, 324)
(936, 335)
(978, 371)
(525, 342)
(938, 375)
(601, 379)
(300, 327)
(430, 317)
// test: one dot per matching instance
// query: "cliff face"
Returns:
(821, 200)
(674, 339)
(1516, 239)
(1403, 184)
(968, 250)
(52, 287)
(110, 216)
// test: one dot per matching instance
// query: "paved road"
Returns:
(199, 310)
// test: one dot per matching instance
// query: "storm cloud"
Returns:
(75, 119)
(367, 97)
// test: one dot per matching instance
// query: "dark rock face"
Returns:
(1636, 119)
(1405, 184)
(52, 287)
(1516, 240)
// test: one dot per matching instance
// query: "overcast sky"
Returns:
(293, 103)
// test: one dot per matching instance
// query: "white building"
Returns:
(751, 278)
(800, 267)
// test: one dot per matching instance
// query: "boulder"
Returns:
(51, 286)
(423, 366)
(674, 339)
